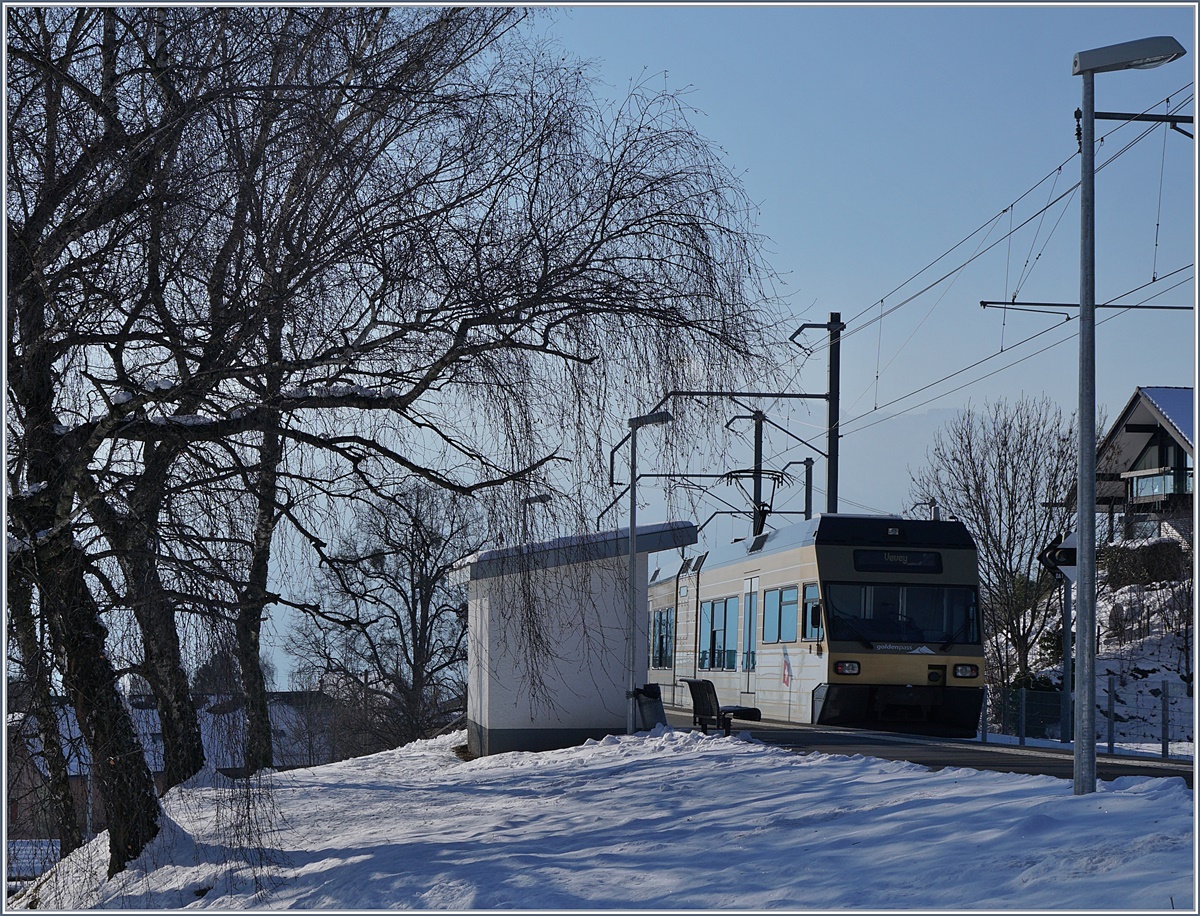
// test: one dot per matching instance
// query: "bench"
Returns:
(707, 710)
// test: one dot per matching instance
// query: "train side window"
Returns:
(812, 612)
(788, 607)
(662, 639)
(731, 628)
(718, 634)
(749, 623)
(771, 615)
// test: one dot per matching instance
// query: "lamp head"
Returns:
(650, 419)
(1142, 54)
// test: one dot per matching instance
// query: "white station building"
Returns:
(547, 638)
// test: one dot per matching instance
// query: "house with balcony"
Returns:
(1144, 466)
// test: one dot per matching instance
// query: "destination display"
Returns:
(912, 561)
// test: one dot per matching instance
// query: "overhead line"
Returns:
(1067, 193)
(994, 372)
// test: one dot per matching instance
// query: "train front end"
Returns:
(900, 605)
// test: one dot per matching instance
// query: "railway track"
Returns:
(937, 753)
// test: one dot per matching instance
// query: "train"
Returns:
(849, 620)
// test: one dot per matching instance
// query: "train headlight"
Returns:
(845, 668)
(966, 671)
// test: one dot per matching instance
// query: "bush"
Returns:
(1142, 564)
(1050, 647)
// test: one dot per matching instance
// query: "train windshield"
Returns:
(880, 613)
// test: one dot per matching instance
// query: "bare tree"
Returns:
(1006, 470)
(390, 634)
(84, 144)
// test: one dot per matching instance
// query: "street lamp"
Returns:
(1130, 55)
(635, 423)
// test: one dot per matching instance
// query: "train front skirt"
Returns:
(926, 709)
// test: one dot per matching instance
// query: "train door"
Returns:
(749, 632)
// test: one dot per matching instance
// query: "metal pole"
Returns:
(1085, 672)
(808, 466)
(1068, 657)
(760, 515)
(633, 611)
(983, 716)
(1166, 721)
(1112, 713)
(835, 372)
(1021, 720)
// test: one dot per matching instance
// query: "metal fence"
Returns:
(1157, 721)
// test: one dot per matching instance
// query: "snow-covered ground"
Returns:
(669, 819)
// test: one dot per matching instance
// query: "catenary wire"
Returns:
(1008, 366)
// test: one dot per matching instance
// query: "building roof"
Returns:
(1176, 407)
(837, 528)
(579, 548)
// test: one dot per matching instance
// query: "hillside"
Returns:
(1146, 648)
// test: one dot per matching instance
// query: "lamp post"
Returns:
(1130, 55)
(635, 423)
(525, 504)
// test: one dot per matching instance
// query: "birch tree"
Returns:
(1007, 470)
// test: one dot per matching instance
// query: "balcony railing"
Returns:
(1155, 484)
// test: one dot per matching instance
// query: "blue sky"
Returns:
(874, 139)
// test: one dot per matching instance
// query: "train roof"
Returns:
(840, 529)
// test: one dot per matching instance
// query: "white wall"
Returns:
(518, 700)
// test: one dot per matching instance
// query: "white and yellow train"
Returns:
(838, 620)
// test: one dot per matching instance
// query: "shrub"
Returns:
(1142, 564)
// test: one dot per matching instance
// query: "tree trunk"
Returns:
(133, 538)
(252, 609)
(259, 749)
(118, 764)
(37, 670)
(183, 748)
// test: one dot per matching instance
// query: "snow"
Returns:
(668, 819)
(329, 391)
(15, 545)
(181, 419)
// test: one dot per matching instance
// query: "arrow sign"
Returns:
(1064, 557)
(1059, 557)
(1046, 557)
